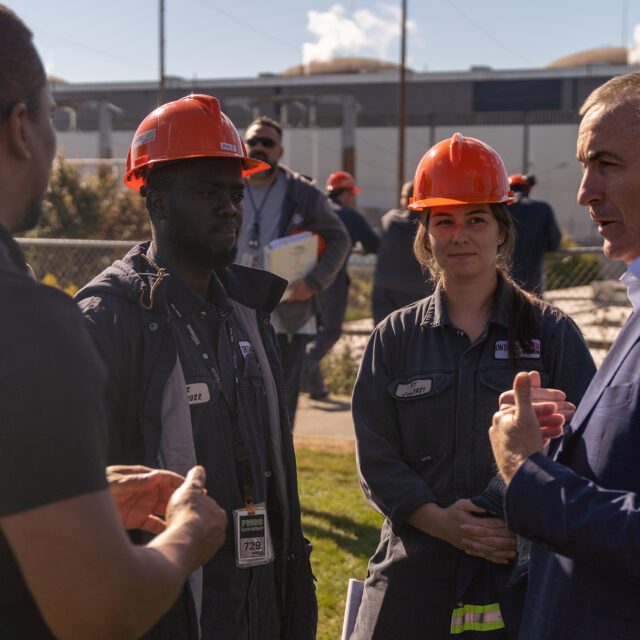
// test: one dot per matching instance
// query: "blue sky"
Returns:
(90, 41)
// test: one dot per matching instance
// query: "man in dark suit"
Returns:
(583, 506)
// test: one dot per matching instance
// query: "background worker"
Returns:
(398, 279)
(537, 233)
(194, 373)
(68, 569)
(342, 190)
(430, 374)
(280, 202)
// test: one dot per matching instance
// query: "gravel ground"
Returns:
(599, 310)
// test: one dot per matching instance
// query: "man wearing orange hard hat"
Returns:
(537, 233)
(195, 376)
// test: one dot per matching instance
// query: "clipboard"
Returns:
(292, 257)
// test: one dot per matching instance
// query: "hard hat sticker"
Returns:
(228, 147)
(144, 138)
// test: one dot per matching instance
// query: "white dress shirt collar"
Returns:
(631, 279)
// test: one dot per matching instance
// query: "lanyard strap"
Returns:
(254, 240)
(239, 448)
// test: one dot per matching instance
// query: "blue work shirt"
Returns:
(537, 232)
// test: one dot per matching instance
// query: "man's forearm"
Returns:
(552, 505)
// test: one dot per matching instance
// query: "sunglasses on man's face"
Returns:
(267, 143)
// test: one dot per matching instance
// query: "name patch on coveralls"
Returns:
(502, 350)
(198, 393)
(414, 388)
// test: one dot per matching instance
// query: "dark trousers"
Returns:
(333, 306)
(316, 350)
(292, 352)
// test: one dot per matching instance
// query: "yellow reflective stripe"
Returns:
(476, 617)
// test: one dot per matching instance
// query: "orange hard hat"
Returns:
(192, 127)
(341, 180)
(460, 170)
(519, 180)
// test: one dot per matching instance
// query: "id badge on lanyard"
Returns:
(253, 538)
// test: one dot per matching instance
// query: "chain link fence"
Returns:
(69, 264)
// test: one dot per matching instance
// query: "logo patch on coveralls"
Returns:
(245, 348)
(502, 350)
(414, 388)
(296, 219)
(198, 393)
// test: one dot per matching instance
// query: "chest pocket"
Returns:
(251, 388)
(425, 402)
(493, 382)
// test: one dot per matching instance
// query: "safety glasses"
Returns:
(267, 143)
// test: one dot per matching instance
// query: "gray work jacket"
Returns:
(306, 208)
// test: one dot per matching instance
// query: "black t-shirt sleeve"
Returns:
(52, 438)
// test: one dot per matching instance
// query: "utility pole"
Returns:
(401, 97)
(161, 99)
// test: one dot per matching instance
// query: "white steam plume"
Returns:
(363, 32)
(633, 57)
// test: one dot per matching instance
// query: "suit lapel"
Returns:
(629, 334)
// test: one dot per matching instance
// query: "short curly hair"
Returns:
(22, 74)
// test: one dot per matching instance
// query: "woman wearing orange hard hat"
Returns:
(427, 388)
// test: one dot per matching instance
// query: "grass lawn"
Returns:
(343, 528)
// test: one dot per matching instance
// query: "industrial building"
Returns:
(529, 116)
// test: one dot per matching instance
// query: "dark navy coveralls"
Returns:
(422, 406)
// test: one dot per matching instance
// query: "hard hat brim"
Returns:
(250, 166)
(428, 203)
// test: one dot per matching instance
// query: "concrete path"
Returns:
(325, 423)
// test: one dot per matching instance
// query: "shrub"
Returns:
(97, 207)
(340, 368)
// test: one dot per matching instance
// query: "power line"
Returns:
(87, 47)
(251, 26)
(490, 34)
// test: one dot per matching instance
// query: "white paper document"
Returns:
(291, 257)
(354, 598)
